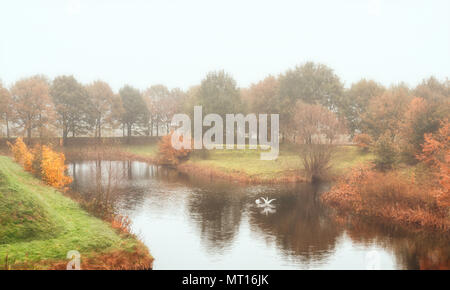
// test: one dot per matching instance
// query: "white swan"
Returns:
(266, 200)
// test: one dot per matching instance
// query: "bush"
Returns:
(316, 159)
(21, 154)
(389, 197)
(53, 168)
(37, 161)
(386, 152)
(43, 162)
(169, 155)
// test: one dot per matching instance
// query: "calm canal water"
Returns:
(196, 224)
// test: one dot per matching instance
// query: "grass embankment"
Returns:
(246, 165)
(39, 226)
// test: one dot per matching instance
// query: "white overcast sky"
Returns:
(176, 43)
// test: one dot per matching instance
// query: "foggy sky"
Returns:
(177, 42)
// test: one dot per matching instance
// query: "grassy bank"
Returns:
(246, 165)
(39, 226)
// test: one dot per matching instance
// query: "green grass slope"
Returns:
(38, 223)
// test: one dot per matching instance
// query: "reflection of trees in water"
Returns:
(217, 211)
(98, 184)
(300, 225)
(104, 184)
(422, 250)
(120, 184)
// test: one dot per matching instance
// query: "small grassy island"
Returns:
(246, 165)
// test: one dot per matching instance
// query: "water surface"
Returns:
(196, 224)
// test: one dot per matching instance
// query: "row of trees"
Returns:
(37, 106)
(394, 121)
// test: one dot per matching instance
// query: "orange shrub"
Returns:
(169, 155)
(388, 197)
(122, 223)
(22, 154)
(37, 160)
(53, 168)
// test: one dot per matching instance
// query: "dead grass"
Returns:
(391, 198)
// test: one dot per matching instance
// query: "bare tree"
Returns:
(317, 128)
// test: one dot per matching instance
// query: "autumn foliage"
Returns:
(122, 223)
(168, 154)
(53, 168)
(22, 154)
(389, 197)
(436, 154)
(42, 161)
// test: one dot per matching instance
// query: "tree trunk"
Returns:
(40, 126)
(129, 127)
(29, 135)
(147, 131)
(150, 128)
(157, 128)
(65, 133)
(96, 129)
(7, 127)
(65, 129)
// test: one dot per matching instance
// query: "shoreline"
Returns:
(52, 224)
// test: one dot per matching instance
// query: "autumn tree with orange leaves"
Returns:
(436, 154)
